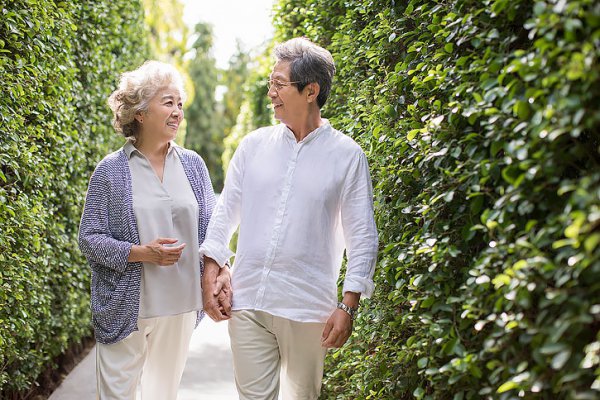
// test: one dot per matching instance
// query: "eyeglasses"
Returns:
(278, 85)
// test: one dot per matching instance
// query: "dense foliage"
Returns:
(59, 61)
(481, 122)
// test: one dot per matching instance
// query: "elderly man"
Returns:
(301, 193)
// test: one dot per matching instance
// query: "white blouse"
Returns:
(166, 209)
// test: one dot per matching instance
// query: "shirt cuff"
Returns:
(359, 285)
(218, 253)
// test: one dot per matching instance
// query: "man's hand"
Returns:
(216, 291)
(223, 291)
(338, 329)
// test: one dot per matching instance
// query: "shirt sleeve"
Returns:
(226, 215)
(95, 239)
(360, 231)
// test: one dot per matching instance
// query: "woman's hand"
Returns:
(156, 252)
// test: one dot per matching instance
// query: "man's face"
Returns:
(287, 102)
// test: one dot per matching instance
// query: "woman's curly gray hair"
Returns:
(135, 91)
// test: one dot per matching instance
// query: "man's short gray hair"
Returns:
(308, 63)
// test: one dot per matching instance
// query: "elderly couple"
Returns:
(158, 246)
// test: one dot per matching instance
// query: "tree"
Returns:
(255, 110)
(204, 124)
(234, 79)
(167, 33)
(168, 37)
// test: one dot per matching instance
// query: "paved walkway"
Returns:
(208, 374)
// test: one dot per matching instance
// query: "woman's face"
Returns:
(165, 113)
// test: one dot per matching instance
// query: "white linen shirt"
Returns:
(298, 206)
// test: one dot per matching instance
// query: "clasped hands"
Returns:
(216, 290)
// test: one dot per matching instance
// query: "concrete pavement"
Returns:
(208, 373)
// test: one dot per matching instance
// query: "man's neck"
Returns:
(311, 123)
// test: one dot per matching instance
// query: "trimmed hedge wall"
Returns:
(480, 119)
(58, 61)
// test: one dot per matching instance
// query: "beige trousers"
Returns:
(265, 346)
(154, 354)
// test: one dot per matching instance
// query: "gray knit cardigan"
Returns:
(107, 232)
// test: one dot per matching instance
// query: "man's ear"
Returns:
(312, 91)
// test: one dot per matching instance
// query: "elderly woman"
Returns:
(146, 212)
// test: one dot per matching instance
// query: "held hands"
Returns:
(216, 290)
(223, 292)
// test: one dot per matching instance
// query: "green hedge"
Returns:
(58, 61)
(480, 119)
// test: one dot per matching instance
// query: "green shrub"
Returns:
(480, 119)
(58, 61)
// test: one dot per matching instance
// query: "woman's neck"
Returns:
(152, 149)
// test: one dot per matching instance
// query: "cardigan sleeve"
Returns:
(95, 239)
(208, 189)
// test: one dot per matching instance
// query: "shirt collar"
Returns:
(326, 126)
(130, 149)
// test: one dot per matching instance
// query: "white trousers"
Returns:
(265, 346)
(154, 354)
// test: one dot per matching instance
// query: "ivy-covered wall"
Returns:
(59, 61)
(481, 122)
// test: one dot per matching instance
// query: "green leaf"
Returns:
(448, 348)
(505, 387)
(521, 109)
(501, 280)
(419, 393)
(412, 134)
(496, 147)
(591, 242)
(560, 359)
(552, 348)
